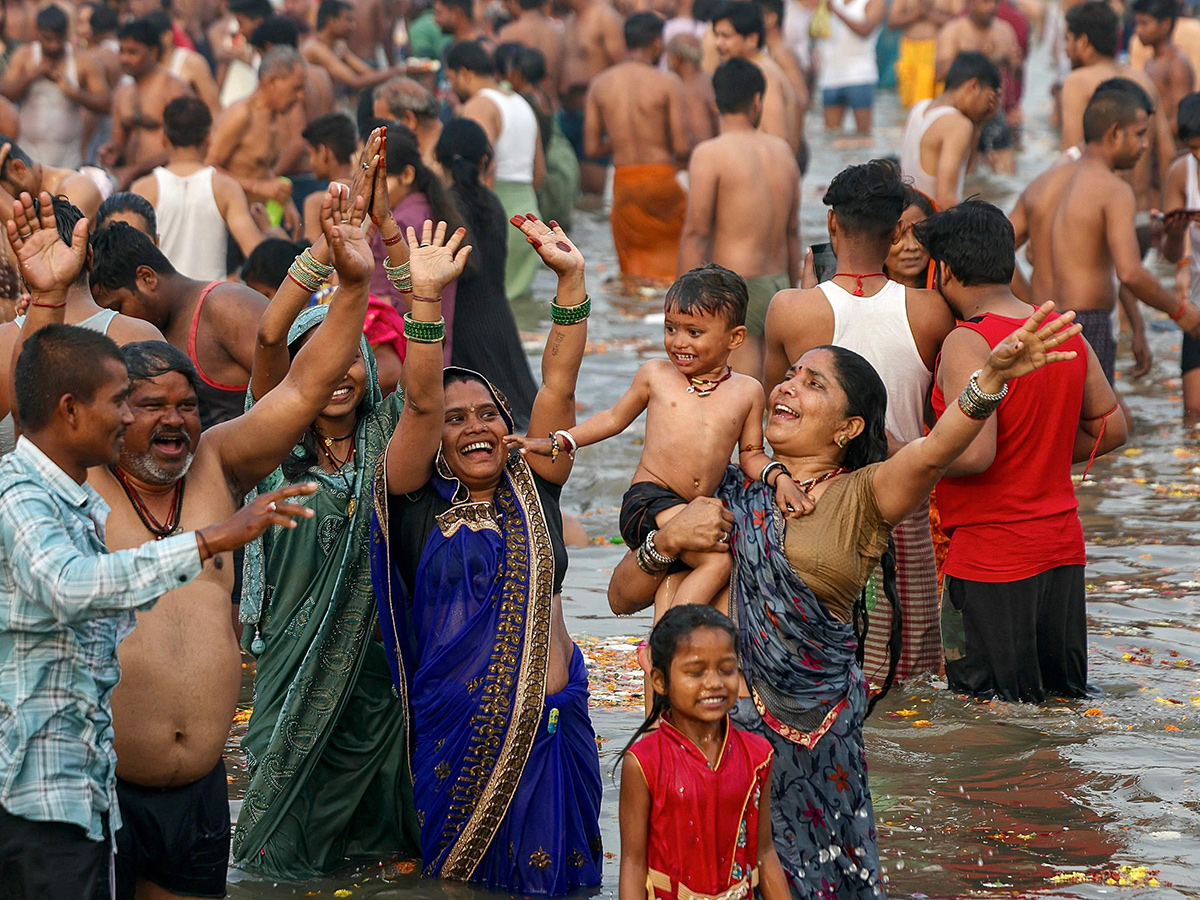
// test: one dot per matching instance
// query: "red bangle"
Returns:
(50, 305)
(397, 239)
(1182, 309)
(427, 299)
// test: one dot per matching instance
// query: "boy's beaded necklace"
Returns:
(702, 387)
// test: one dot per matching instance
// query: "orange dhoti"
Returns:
(648, 210)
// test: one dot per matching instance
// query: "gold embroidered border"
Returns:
(754, 786)
(503, 736)
(475, 516)
(663, 882)
(379, 493)
(807, 740)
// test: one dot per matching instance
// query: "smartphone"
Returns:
(824, 262)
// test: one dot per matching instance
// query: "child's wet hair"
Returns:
(676, 625)
(710, 289)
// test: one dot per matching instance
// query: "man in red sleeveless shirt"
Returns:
(1013, 607)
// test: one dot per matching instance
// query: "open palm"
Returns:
(435, 261)
(46, 263)
(557, 250)
(342, 217)
(1031, 346)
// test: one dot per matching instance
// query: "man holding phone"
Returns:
(744, 204)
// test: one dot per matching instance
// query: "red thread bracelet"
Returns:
(427, 299)
(397, 239)
(50, 305)
(1182, 309)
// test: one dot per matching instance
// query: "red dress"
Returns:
(703, 839)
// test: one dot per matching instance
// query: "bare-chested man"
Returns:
(52, 86)
(457, 19)
(782, 54)
(370, 38)
(20, 172)
(328, 49)
(1079, 219)
(916, 67)
(635, 114)
(982, 31)
(136, 146)
(744, 204)
(699, 103)
(595, 41)
(187, 65)
(246, 140)
(180, 669)
(940, 133)
(1091, 45)
(1169, 67)
(739, 30)
(532, 27)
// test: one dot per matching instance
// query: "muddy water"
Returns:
(987, 800)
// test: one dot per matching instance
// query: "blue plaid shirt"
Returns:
(65, 605)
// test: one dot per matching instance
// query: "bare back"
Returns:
(1041, 201)
(256, 139)
(691, 439)
(640, 108)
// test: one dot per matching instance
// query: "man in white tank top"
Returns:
(197, 206)
(899, 331)
(940, 132)
(511, 125)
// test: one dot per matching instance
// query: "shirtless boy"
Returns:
(137, 143)
(1169, 67)
(744, 204)
(690, 433)
(1079, 218)
(245, 142)
(940, 133)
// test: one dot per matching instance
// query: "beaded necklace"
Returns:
(702, 387)
(160, 530)
(809, 483)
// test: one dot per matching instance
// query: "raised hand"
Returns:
(46, 263)
(526, 445)
(1031, 346)
(434, 260)
(253, 519)
(552, 244)
(341, 225)
(361, 183)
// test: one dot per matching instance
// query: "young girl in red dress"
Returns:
(695, 791)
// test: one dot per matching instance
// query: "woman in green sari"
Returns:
(326, 745)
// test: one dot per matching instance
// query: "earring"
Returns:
(842, 441)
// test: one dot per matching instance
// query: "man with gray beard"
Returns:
(180, 667)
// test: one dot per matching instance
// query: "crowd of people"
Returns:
(265, 398)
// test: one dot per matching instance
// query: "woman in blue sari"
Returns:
(468, 561)
(796, 586)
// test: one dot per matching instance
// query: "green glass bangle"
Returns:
(319, 268)
(304, 278)
(424, 332)
(571, 315)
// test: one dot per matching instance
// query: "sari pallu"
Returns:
(808, 698)
(326, 746)
(506, 779)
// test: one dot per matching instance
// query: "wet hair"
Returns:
(736, 82)
(251, 9)
(14, 153)
(919, 199)
(127, 201)
(1157, 9)
(119, 250)
(406, 95)
(712, 290)
(529, 61)
(1096, 21)
(66, 217)
(974, 238)
(150, 359)
(55, 361)
(745, 16)
(186, 121)
(160, 20)
(464, 152)
(276, 31)
(972, 65)
(1188, 116)
(141, 31)
(471, 56)
(53, 19)
(105, 19)
(330, 9)
(466, 7)
(268, 263)
(642, 29)
(666, 639)
(279, 62)
(336, 131)
(772, 6)
(868, 198)
(1115, 102)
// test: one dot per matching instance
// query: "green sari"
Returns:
(326, 745)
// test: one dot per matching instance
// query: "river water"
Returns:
(971, 799)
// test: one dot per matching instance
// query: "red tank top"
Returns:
(1018, 519)
(704, 833)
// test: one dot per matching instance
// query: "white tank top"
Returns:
(919, 121)
(191, 230)
(877, 329)
(178, 58)
(849, 59)
(1193, 202)
(51, 124)
(517, 143)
